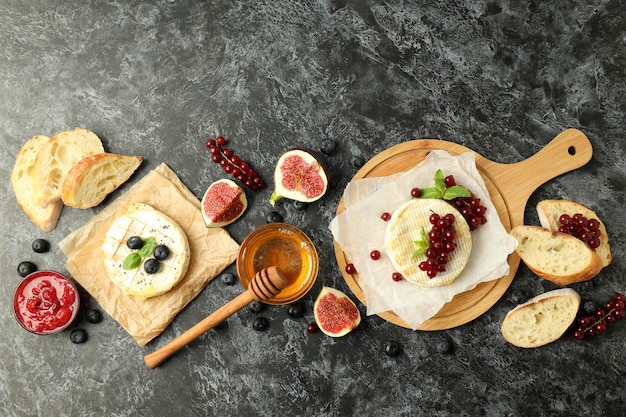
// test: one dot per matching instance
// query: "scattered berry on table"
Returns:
(78, 336)
(357, 161)
(273, 217)
(228, 278)
(41, 245)
(312, 327)
(350, 269)
(392, 348)
(26, 268)
(443, 346)
(260, 324)
(328, 146)
(295, 310)
(256, 307)
(94, 316)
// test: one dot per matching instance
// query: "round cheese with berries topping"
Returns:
(144, 221)
(404, 229)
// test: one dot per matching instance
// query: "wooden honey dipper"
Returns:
(265, 285)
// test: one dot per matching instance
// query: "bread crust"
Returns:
(583, 263)
(94, 177)
(45, 218)
(537, 322)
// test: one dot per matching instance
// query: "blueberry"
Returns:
(299, 205)
(228, 278)
(94, 316)
(392, 348)
(161, 252)
(151, 266)
(357, 161)
(260, 324)
(26, 268)
(78, 336)
(295, 310)
(443, 346)
(41, 245)
(273, 217)
(589, 307)
(256, 307)
(134, 242)
(328, 146)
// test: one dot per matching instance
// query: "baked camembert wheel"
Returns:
(144, 221)
(405, 228)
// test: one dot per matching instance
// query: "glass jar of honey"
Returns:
(286, 247)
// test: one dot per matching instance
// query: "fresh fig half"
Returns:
(223, 203)
(335, 313)
(299, 175)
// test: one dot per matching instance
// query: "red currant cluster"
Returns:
(441, 239)
(596, 323)
(587, 230)
(233, 164)
(472, 210)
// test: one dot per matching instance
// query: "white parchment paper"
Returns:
(359, 230)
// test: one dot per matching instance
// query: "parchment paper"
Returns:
(359, 230)
(212, 250)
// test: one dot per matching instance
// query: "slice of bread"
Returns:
(55, 159)
(96, 176)
(549, 212)
(542, 319)
(23, 187)
(555, 256)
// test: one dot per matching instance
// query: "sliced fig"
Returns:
(223, 203)
(299, 175)
(335, 313)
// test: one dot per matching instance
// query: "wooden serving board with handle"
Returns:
(509, 185)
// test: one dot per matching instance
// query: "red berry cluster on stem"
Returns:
(596, 323)
(587, 230)
(233, 164)
(441, 239)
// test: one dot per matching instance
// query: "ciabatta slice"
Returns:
(94, 177)
(22, 182)
(55, 159)
(542, 319)
(555, 256)
(549, 212)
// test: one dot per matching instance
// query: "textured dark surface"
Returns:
(156, 79)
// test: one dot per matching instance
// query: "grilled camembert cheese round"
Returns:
(144, 221)
(404, 228)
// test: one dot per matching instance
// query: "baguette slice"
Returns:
(94, 177)
(555, 256)
(22, 183)
(542, 319)
(549, 212)
(55, 159)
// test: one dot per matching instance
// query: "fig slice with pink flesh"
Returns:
(335, 313)
(223, 203)
(299, 175)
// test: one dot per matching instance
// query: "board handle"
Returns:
(569, 150)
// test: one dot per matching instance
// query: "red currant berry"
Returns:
(312, 327)
(350, 269)
(386, 216)
(220, 140)
(375, 255)
(210, 143)
(397, 277)
(416, 192)
(449, 181)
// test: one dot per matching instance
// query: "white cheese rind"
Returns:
(144, 221)
(404, 228)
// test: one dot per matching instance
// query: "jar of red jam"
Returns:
(46, 302)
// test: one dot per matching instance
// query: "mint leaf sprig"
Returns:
(133, 260)
(442, 192)
(423, 243)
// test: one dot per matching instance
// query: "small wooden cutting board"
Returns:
(509, 185)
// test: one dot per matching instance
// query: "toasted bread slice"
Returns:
(22, 182)
(555, 256)
(549, 212)
(96, 176)
(542, 319)
(55, 159)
